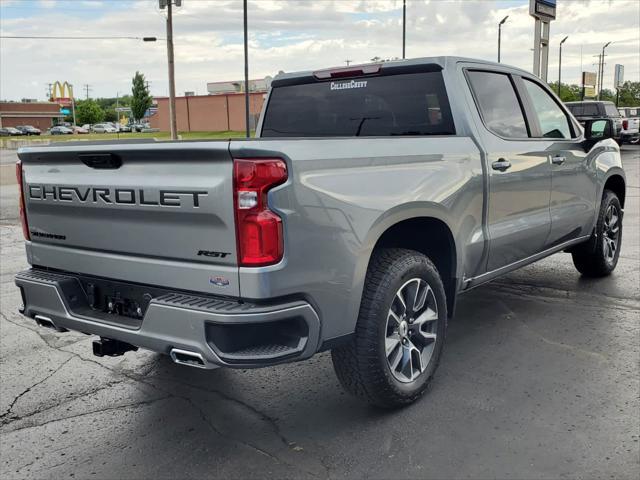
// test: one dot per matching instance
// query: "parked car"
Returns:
(373, 196)
(123, 128)
(12, 131)
(592, 110)
(630, 124)
(139, 127)
(4, 132)
(80, 130)
(87, 127)
(28, 130)
(103, 128)
(60, 130)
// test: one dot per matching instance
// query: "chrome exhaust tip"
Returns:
(46, 322)
(185, 357)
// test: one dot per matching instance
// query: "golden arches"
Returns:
(62, 89)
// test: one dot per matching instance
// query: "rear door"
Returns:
(519, 175)
(573, 183)
(159, 204)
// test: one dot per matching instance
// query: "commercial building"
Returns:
(209, 113)
(37, 114)
(237, 86)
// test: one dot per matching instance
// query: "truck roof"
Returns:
(443, 62)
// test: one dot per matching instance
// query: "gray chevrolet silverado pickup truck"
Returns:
(373, 196)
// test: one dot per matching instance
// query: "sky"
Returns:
(290, 35)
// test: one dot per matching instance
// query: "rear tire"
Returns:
(599, 256)
(400, 330)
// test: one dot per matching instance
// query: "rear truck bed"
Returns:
(142, 245)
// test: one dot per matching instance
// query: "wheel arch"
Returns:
(616, 184)
(439, 245)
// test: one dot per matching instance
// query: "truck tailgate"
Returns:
(169, 204)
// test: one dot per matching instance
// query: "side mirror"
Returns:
(596, 130)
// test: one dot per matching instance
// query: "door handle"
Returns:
(558, 160)
(501, 165)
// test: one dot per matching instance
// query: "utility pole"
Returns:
(404, 28)
(172, 80)
(500, 34)
(73, 104)
(50, 85)
(348, 62)
(246, 72)
(598, 78)
(602, 70)
(560, 65)
(87, 87)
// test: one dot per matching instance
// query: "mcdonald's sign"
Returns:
(62, 93)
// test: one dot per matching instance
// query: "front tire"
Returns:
(599, 256)
(400, 330)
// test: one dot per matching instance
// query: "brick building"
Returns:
(209, 113)
(37, 114)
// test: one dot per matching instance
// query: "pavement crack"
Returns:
(565, 346)
(65, 402)
(549, 294)
(216, 430)
(34, 330)
(24, 392)
(92, 412)
(262, 415)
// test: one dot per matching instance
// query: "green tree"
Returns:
(88, 111)
(140, 97)
(568, 93)
(607, 95)
(110, 115)
(630, 94)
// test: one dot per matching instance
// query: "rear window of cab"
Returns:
(385, 105)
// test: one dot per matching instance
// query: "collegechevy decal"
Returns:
(346, 85)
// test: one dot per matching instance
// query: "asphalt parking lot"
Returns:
(540, 379)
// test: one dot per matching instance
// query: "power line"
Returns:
(39, 37)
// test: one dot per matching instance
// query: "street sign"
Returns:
(618, 77)
(543, 9)
(590, 92)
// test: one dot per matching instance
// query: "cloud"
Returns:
(292, 35)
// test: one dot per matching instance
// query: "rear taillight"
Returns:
(625, 124)
(258, 229)
(23, 211)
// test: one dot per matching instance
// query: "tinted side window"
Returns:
(611, 110)
(498, 103)
(553, 121)
(387, 105)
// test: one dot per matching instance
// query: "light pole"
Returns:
(404, 28)
(500, 34)
(246, 72)
(601, 70)
(560, 64)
